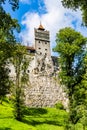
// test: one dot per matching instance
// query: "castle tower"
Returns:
(43, 58)
(42, 41)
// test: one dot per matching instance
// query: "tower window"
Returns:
(45, 42)
(9, 70)
(40, 52)
(45, 49)
(8, 62)
(39, 41)
(39, 48)
(28, 71)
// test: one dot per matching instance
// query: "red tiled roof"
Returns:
(30, 48)
(41, 27)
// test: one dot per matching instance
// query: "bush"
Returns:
(59, 105)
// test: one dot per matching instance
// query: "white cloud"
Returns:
(31, 20)
(57, 17)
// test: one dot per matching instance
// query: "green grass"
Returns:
(34, 119)
(45, 118)
(7, 121)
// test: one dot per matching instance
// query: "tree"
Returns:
(13, 3)
(77, 4)
(20, 61)
(5, 83)
(81, 91)
(7, 43)
(71, 49)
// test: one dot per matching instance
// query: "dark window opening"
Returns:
(9, 70)
(45, 49)
(8, 62)
(39, 48)
(28, 71)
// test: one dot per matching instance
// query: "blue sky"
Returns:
(26, 6)
(52, 15)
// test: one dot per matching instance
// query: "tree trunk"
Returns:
(1, 100)
(83, 127)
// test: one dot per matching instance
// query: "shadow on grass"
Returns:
(34, 111)
(6, 128)
(35, 117)
(34, 122)
(4, 117)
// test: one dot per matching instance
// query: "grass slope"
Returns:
(34, 119)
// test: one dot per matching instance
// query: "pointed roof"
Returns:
(30, 48)
(41, 27)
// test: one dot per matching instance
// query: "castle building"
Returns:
(44, 89)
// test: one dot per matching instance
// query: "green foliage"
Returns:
(59, 105)
(82, 111)
(81, 97)
(5, 83)
(7, 43)
(7, 28)
(76, 4)
(21, 63)
(69, 126)
(71, 48)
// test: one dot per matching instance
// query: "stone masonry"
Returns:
(44, 91)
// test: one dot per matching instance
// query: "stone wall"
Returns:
(44, 88)
(44, 91)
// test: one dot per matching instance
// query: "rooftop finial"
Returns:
(41, 27)
(40, 22)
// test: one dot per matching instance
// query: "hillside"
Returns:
(34, 118)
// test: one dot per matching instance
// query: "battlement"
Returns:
(42, 35)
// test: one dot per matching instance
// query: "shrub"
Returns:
(59, 105)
